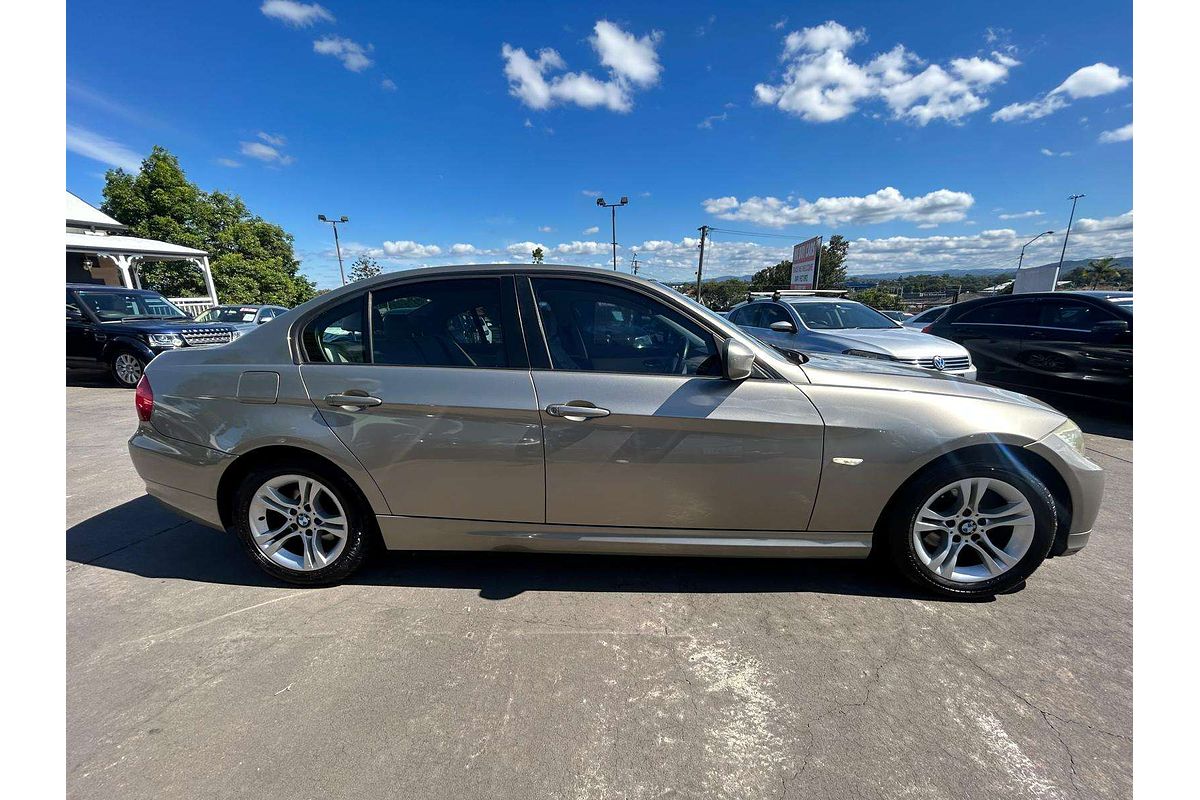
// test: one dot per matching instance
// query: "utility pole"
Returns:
(634, 263)
(334, 222)
(1074, 199)
(700, 267)
(614, 206)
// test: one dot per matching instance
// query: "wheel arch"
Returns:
(120, 343)
(1007, 454)
(291, 455)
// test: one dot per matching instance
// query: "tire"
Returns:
(942, 544)
(126, 368)
(310, 551)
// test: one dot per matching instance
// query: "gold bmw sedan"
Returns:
(571, 409)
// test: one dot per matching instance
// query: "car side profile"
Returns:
(244, 318)
(1064, 344)
(925, 318)
(571, 409)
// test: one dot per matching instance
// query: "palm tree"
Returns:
(1101, 270)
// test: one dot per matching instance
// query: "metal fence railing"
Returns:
(192, 305)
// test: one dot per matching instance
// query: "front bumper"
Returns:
(1085, 484)
(181, 475)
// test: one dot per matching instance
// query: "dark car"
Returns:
(121, 330)
(1067, 344)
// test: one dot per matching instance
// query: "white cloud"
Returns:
(100, 148)
(591, 193)
(1122, 134)
(352, 54)
(229, 162)
(298, 15)
(821, 83)
(270, 154)
(1023, 215)
(707, 122)
(884, 205)
(408, 249)
(591, 230)
(275, 140)
(388, 85)
(632, 63)
(544, 229)
(1094, 81)
(777, 25)
(1046, 151)
(461, 249)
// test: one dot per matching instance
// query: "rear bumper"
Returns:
(181, 475)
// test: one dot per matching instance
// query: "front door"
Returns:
(993, 334)
(642, 432)
(435, 398)
(83, 345)
(1067, 353)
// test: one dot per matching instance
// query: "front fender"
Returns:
(125, 342)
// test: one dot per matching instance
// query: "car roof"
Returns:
(1115, 294)
(100, 287)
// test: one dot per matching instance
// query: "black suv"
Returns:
(121, 330)
(1066, 344)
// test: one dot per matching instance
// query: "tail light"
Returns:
(143, 399)
(926, 329)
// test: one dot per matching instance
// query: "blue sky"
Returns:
(928, 135)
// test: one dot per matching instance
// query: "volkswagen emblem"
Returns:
(939, 363)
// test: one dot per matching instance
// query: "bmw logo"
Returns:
(939, 363)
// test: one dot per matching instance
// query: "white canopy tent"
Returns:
(91, 232)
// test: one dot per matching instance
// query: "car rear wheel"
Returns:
(971, 530)
(300, 525)
(126, 368)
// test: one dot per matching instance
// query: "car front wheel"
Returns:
(126, 368)
(971, 530)
(301, 525)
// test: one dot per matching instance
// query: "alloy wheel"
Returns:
(298, 523)
(973, 530)
(128, 368)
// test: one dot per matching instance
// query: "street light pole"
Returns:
(614, 206)
(1021, 260)
(1074, 199)
(336, 242)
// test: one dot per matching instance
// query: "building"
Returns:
(99, 251)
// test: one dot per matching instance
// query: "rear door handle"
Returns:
(352, 400)
(576, 413)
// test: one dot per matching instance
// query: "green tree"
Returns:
(252, 260)
(538, 255)
(723, 295)
(771, 278)
(878, 299)
(1100, 270)
(364, 267)
(832, 274)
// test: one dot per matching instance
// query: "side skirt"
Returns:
(429, 533)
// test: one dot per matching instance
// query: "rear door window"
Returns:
(1016, 312)
(1071, 315)
(337, 336)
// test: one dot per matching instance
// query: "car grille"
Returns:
(200, 337)
(952, 363)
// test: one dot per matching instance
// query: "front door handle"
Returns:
(576, 413)
(352, 400)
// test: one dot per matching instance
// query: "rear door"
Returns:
(662, 442)
(83, 345)
(428, 384)
(993, 334)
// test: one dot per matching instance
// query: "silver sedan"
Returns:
(550, 408)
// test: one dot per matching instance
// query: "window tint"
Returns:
(746, 316)
(1017, 312)
(605, 328)
(1071, 314)
(447, 323)
(932, 315)
(336, 337)
(770, 313)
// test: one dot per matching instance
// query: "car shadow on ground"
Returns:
(93, 379)
(144, 538)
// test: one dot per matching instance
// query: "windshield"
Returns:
(840, 315)
(228, 314)
(115, 306)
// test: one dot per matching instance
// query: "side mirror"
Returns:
(783, 326)
(261, 320)
(1111, 326)
(737, 360)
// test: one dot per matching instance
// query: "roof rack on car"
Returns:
(778, 293)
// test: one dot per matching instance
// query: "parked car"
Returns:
(122, 330)
(896, 316)
(1116, 297)
(925, 318)
(1065, 344)
(550, 408)
(817, 324)
(244, 318)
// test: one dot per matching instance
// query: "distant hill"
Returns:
(1124, 262)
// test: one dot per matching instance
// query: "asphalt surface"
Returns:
(190, 674)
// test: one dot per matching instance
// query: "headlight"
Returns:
(166, 340)
(1070, 434)
(235, 334)
(867, 354)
